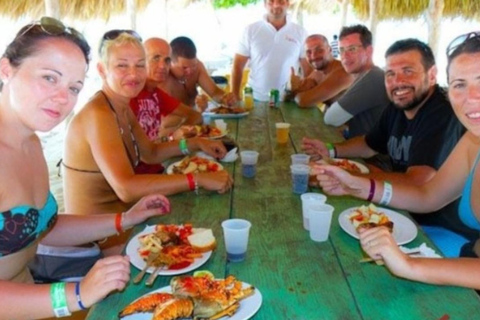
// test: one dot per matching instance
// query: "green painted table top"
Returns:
(298, 278)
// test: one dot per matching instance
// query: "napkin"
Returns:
(425, 251)
(221, 125)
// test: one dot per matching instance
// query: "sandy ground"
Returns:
(52, 143)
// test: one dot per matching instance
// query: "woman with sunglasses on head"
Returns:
(42, 72)
(104, 142)
(458, 177)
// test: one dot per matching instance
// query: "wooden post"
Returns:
(132, 13)
(373, 19)
(434, 17)
(52, 9)
(343, 13)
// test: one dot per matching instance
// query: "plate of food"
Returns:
(219, 298)
(194, 164)
(402, 228)
(347, 164)
(225, 112)
(179, 248)
(204, 131)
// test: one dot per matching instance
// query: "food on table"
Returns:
(366, 217)
(195, 164)
(226, 110)
(176, 246)
(208, 131)
(347, 165)
(198, 297)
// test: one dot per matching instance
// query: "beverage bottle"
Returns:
(248, 98)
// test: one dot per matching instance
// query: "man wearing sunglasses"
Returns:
(417, 130)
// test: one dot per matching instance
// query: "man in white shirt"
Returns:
(272, 46)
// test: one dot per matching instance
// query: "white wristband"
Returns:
(387, 193)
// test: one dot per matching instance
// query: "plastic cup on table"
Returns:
(320, 219)
(236, 233)
(282, 132)
(249, 161)
(300, 158)
(300, 175)
(309, 199)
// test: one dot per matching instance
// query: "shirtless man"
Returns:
(326, 83)
(187, 72)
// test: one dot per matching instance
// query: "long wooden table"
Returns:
(298, 278)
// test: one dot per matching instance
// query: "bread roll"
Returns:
(202, 240)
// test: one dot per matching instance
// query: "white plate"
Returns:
(170, 167)
(404, 230)
(362, 167)
(136, 260)
(225, 115)
(248, 306)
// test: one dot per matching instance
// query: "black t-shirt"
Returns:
(427, 139)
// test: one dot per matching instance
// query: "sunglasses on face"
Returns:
(52, 27)
(458, 41)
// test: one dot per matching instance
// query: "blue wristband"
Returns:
(79, 299)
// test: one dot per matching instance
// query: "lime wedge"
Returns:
(203, 273)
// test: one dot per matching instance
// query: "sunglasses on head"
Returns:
(53, 27)
(114, 34)
(458, 41)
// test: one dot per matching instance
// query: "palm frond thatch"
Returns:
(469, 9)
(76, 9)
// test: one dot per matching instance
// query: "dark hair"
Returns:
(468, 43)
(401, 46)
(28, 38)
(363, 32)
(183, 47)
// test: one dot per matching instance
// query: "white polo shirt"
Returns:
(271, 54)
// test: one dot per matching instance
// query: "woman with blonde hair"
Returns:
(104, 142)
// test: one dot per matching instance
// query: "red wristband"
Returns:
(118, 222)
(191, 181)
(372, 190)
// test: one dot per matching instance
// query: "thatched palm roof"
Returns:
(412, 9)
(77, 9)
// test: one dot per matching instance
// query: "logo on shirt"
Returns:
(399, 150)
(290, 39)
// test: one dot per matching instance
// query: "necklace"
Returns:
(132, 137)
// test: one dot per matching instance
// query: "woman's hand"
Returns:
(336, 181)
(229, 99)
(315, 148)
(219, 181)
(107, 275)
(213, 148)
(148, 206)
(379, 243)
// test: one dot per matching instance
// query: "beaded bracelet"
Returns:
(372, 190)
(387, 193)
(332, 151)
(79, 299)
(183, 147)
(59, 300)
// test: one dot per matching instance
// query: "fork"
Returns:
(148, 264)
(154, 275)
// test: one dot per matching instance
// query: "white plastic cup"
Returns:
(308, 199)
(300, 158)
(320, 219)
(300, 175)
(249, 161)
(235, 233)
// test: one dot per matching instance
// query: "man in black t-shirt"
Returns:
(418, 130)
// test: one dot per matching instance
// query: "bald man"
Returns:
(328, 80)
(158, 113)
